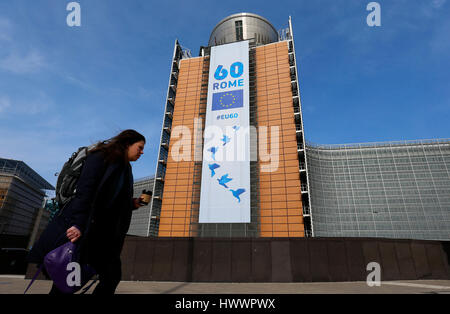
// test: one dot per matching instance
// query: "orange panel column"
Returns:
(280, 199)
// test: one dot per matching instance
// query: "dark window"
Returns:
(239, 30)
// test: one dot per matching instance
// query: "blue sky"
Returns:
(64, 87)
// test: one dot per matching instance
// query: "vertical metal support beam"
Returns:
(156, 202)
(310, 210)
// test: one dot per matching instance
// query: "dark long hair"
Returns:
(116, 148)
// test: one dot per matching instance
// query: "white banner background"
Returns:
(227, 130)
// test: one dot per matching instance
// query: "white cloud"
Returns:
(24, 107)
(5, 29)
(439, 42)
(34, 107)
(438, 3)
(79, 82)
(15, 63)
(5, 103)
(42, 150)
(146, 93)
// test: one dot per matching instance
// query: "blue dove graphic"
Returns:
(237, 192)
(236, 127)
(224, 180)
(225, 140)
(213, 150)
(212, 167)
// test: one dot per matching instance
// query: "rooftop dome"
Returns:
(243, 26)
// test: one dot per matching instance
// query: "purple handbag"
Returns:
(56, 263)
(66, 277)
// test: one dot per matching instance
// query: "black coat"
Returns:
(101, 209)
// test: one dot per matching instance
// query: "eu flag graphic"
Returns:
(228, 100)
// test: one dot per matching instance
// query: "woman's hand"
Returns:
(137, 202)
(73, 234)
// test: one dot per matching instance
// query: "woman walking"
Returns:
(99, 215)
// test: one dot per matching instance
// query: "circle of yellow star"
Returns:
(229, 105)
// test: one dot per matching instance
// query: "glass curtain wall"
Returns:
(394, 189)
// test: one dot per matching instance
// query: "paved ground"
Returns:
(11, 284)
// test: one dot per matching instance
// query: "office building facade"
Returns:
(395, 189)
(279, 199)
(139, 225)
(21, 198)
(391, 189)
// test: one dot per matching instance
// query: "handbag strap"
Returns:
(34, 278)
(39, 271)
(88, 287)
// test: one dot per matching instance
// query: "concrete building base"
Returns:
(280, 260)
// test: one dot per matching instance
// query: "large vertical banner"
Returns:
(225, 186)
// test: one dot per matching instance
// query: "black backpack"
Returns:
(66, 185)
